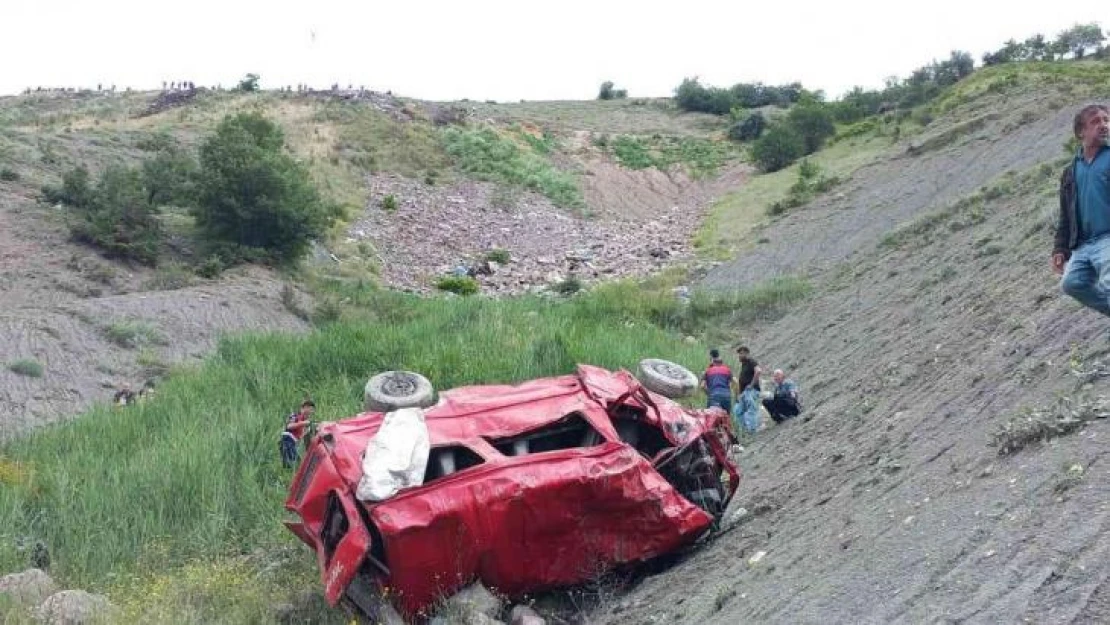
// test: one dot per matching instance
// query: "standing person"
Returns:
(747, 401)
(1084, 223)
(784, 403)
(718, 383)
(295, 426)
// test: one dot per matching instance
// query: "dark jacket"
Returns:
(1067, 226)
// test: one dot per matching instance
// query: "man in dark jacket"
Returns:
(1081, 252)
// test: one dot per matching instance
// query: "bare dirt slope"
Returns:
(1009, 132)
(887, 502)
(91, 326)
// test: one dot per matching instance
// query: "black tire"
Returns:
(667, 378)
(393, 390)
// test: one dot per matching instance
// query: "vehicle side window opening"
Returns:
(570, 432)
(634, 430)
(335, 526)
(443, 461)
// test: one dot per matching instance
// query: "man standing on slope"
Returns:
(747, 401)
(718, 383)
(1083, 230)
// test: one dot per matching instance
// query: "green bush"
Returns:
(116, 217)
(811, 181)
(211, 268)
(812, 121)
(7, 174)
(132, 334)
(461, 285)
(499, 255)
(170, 177)
(75, 190)
(157, 142)
(249, 83)
(633, 153)
(389, 203)
(749, 128)
(780, 146)
(487, 155)
(607, 92)
(170, 277)
(254, 196)
(27, 367)
(568, 286)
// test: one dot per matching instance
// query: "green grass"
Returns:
(628, 116)
(125, 497)
(488, 155)
(133, 333)
(27, 367)
(727, 228)
(701, 156)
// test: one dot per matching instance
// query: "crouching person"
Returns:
(783, 403)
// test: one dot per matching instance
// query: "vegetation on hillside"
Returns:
(143, 476)
(486, 154)
(254, 197)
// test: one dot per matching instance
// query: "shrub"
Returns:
(255, 196)
(778, 147)
(170, 178)
(607, 92)
(157, 142)
(27, 367)
(170, 277)
(811, 181)
(389, 203)
(8, 174)
(132, 334)
(211, 268)
(75, 190)
(499, 255)
(568, 286)
(486, 155)
(749, 128)
(117, 217)
(249, 83)
(461, 285)
(814, 123)
(633, 153)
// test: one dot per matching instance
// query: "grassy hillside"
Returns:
(148, 501)
(173, 507)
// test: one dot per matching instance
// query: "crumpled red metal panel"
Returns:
(553, 520)
(522, 523)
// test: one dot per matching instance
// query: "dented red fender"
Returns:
(518, 523)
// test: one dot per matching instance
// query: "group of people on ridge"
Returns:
(721, 386)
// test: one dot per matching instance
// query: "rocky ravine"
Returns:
(641, 221)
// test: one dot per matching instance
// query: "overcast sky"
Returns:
(503, 50)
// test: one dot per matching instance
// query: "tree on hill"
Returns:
(249, 83)
(1080, 38)
(813, 122)
(116, 216)
(780, 146)
(608, 92)
(254, 196)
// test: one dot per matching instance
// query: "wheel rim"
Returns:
(669, 370)
(399, 385)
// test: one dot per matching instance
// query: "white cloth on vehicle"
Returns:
(396, 456)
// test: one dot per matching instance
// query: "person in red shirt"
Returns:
(718, 383)
(295, 426)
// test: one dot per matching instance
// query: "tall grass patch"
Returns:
(487, 155)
